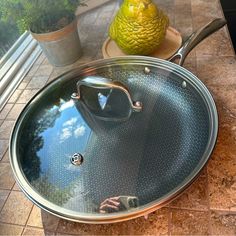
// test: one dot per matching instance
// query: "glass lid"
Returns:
(96, 157)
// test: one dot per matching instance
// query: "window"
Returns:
(8, 35)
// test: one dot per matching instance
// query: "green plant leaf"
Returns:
(40, 16)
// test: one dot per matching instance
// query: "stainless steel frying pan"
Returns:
(115, 139)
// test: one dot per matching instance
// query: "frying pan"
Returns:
(116, 138)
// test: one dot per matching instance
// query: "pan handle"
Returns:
(195, 38)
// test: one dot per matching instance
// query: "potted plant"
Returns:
(51, 22)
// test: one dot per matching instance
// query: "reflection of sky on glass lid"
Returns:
(70, 134)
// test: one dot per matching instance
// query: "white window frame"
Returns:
(15, 64)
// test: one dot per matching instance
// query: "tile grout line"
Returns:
(38, 228)
(8, 111)
(169, 221)
(24, 103)
(34, 227)
(208, 201)
(7, 189)
(188, 209)
(16, 190)
(6, 223)
(4, 154)
(11, 224)
(48, 79)
(27, 83)
(5, 202)
(10, 190)
(27, 219)
(23, 231)
(11, 119)
(57, 228)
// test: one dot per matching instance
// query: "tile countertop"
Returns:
(209, 205)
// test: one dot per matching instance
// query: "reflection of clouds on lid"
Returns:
(71, 167)
(70, 129)
(79, 131)
(70, 122)
(66, 105)
(66, 133)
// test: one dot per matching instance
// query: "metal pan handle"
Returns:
(98, 82)
(195, 38)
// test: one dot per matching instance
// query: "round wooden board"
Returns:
(169, 46)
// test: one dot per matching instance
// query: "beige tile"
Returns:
(183, 17)
(88, 18)
(5, 158)
(191, 64)
(33, 70)
(3, 148)
(10, 230)
(223, 223)
(6, 176)
(42, 219)
(16, 187)
(218, 44)
(40, 59)
(201, 7)
(195, 197)
(27, 95)
(77, 64)
(90, 49)
(222, 165)
(37, 82)
(22, 85)
(225, 95)
(16, 210)
(15, 111)
(94, 32)
(53, 76)
(44, 70)
(63, 69)
(5, 111)
(156, 224)
(217, 71)
(15, 95)
(57, 71)
(5, 129)
(3, 197)
(46, 62)
(186, 222)
(212, 47)
(27, 79)
(98, 56)
(36, 232)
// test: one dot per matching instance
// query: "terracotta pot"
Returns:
(61, 47)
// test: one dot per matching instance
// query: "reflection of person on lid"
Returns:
(120, 203)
